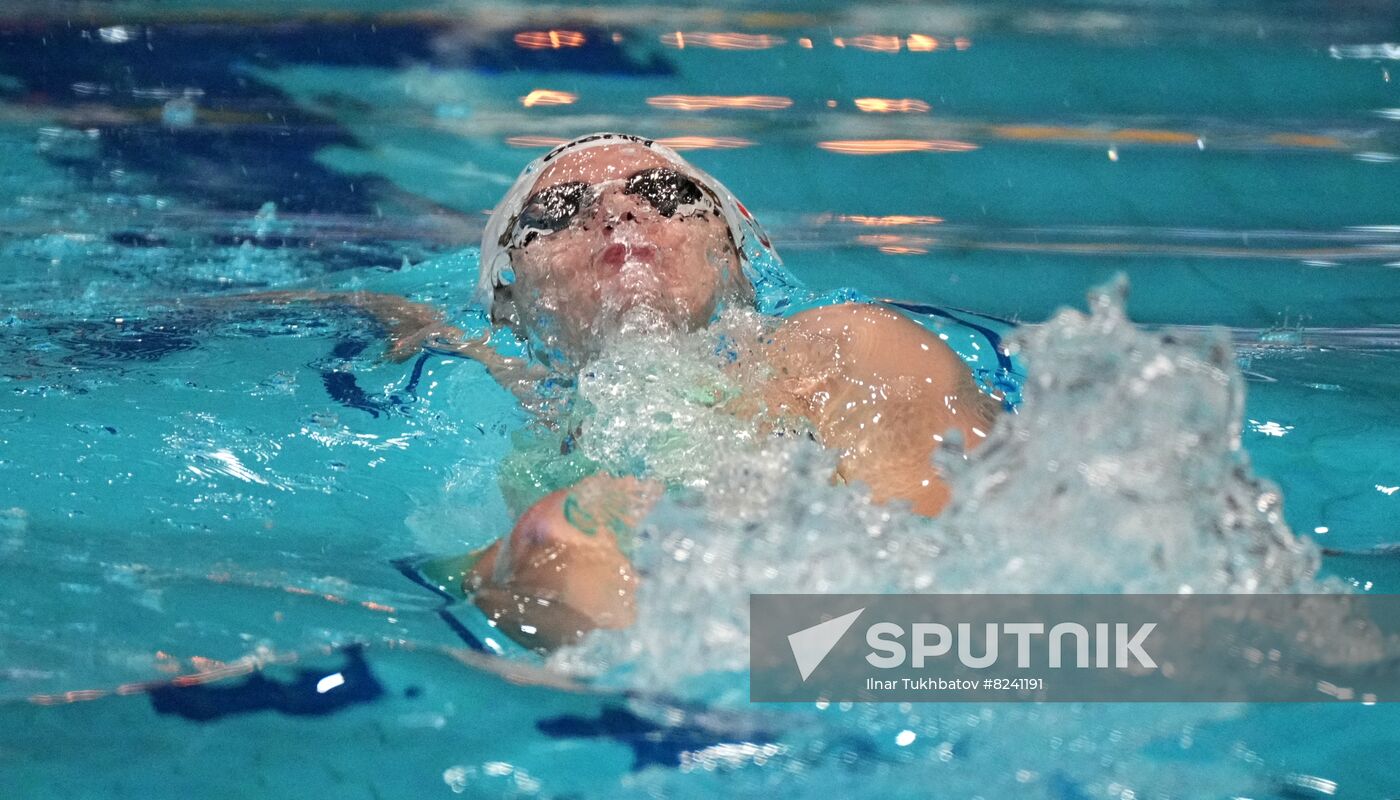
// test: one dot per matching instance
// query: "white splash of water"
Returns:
(663, 404)
(1122, 472)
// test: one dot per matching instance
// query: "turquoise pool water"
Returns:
(186, 491)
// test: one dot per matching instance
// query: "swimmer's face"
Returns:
(615, 236)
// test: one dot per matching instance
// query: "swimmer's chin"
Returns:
(642, 313)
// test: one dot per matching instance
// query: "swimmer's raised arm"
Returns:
(409, 326)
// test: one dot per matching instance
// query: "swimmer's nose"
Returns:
(612, 223)
(626, 239)
(616, 209)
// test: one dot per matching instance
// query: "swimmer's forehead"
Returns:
(597, 164)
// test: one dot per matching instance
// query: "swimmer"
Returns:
(612, 233)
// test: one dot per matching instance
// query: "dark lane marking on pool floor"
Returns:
(313, 692)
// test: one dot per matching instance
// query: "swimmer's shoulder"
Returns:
(845, 366)
(862, 337)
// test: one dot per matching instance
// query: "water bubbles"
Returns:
(493, 778)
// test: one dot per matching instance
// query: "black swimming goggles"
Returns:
(552, 209)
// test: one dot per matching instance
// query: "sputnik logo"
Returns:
(811, 645)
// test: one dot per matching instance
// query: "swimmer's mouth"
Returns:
(614, 255)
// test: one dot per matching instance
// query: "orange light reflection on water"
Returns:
(889, 221)
(1139, 135)
(548, 97)
(549, 40)
(881, 105)
(894, 244)
(673, 142)
(705, 142)
(1306, 140)
(878, 44)
(884, 43)
(721, 41)
(873, 147)
(698, 102)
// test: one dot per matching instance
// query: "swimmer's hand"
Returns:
(409, 327)
(407, 343)
(562, 571)
(515, 374)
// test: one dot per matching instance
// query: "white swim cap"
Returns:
(749, 239)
